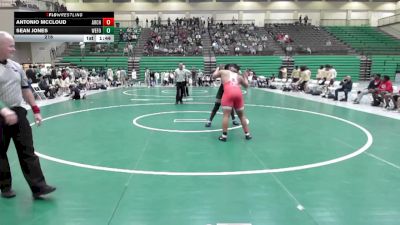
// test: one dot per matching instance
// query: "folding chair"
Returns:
(38, 92)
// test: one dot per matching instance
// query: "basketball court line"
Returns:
(299, 205)
(382, 160)
(371, 155)
(263, 164)
(136, 164)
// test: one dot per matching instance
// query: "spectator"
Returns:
(110, 74)
(385, 88)
(392, 97)
(372, 88)
(396, 101)
(282, 72)
(347, 85)
(31, 75)
(134, 77)
(321, 75)
(237, 50)
(48, 92)
(305, 75)
(123, 78)
(130, 49)
(75, 92)
(82, 47)
(328, 43)
(295, 74)
(289, 50)
(308, 49)
(305, 19)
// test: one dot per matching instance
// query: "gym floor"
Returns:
(131, 156)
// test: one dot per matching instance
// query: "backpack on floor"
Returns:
(377, 101)
(316, 92)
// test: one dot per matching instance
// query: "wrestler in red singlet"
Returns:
(232, 97)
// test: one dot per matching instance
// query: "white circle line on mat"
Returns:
(219, 173)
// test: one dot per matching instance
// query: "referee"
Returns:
(14, 89)
(180, 78)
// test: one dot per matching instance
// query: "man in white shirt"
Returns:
(123, 77)
(180, 77)
(82, 47)
(157, 76)
(43, 70)
(14, 90)
(134, 77)
(333, 72)
(130, 49)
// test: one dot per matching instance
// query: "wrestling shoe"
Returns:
(222, 138)
(248, 137)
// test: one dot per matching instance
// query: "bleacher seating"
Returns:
(309, 36)
(97, 62)
(262, 65)
(246, 37)
(385, 64)
(184, 38)
(164, 64)
(107, 49)
(344, 65)
(366, 40)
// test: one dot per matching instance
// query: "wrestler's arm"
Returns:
(244, 80)
(217, 73)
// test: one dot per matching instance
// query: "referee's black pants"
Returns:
(21, 134)
(180, 89)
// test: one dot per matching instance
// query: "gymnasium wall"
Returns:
(393, 30)
(319, 12)
(23, 53)
(7, 20)
(41, 51)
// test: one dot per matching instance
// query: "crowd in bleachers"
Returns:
(237, 39)
(23, 4)
(56, 6)
(305, 39)
(179, 37)
(129, 34)
(124, 44)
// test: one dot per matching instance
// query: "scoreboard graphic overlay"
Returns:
(64, 26)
